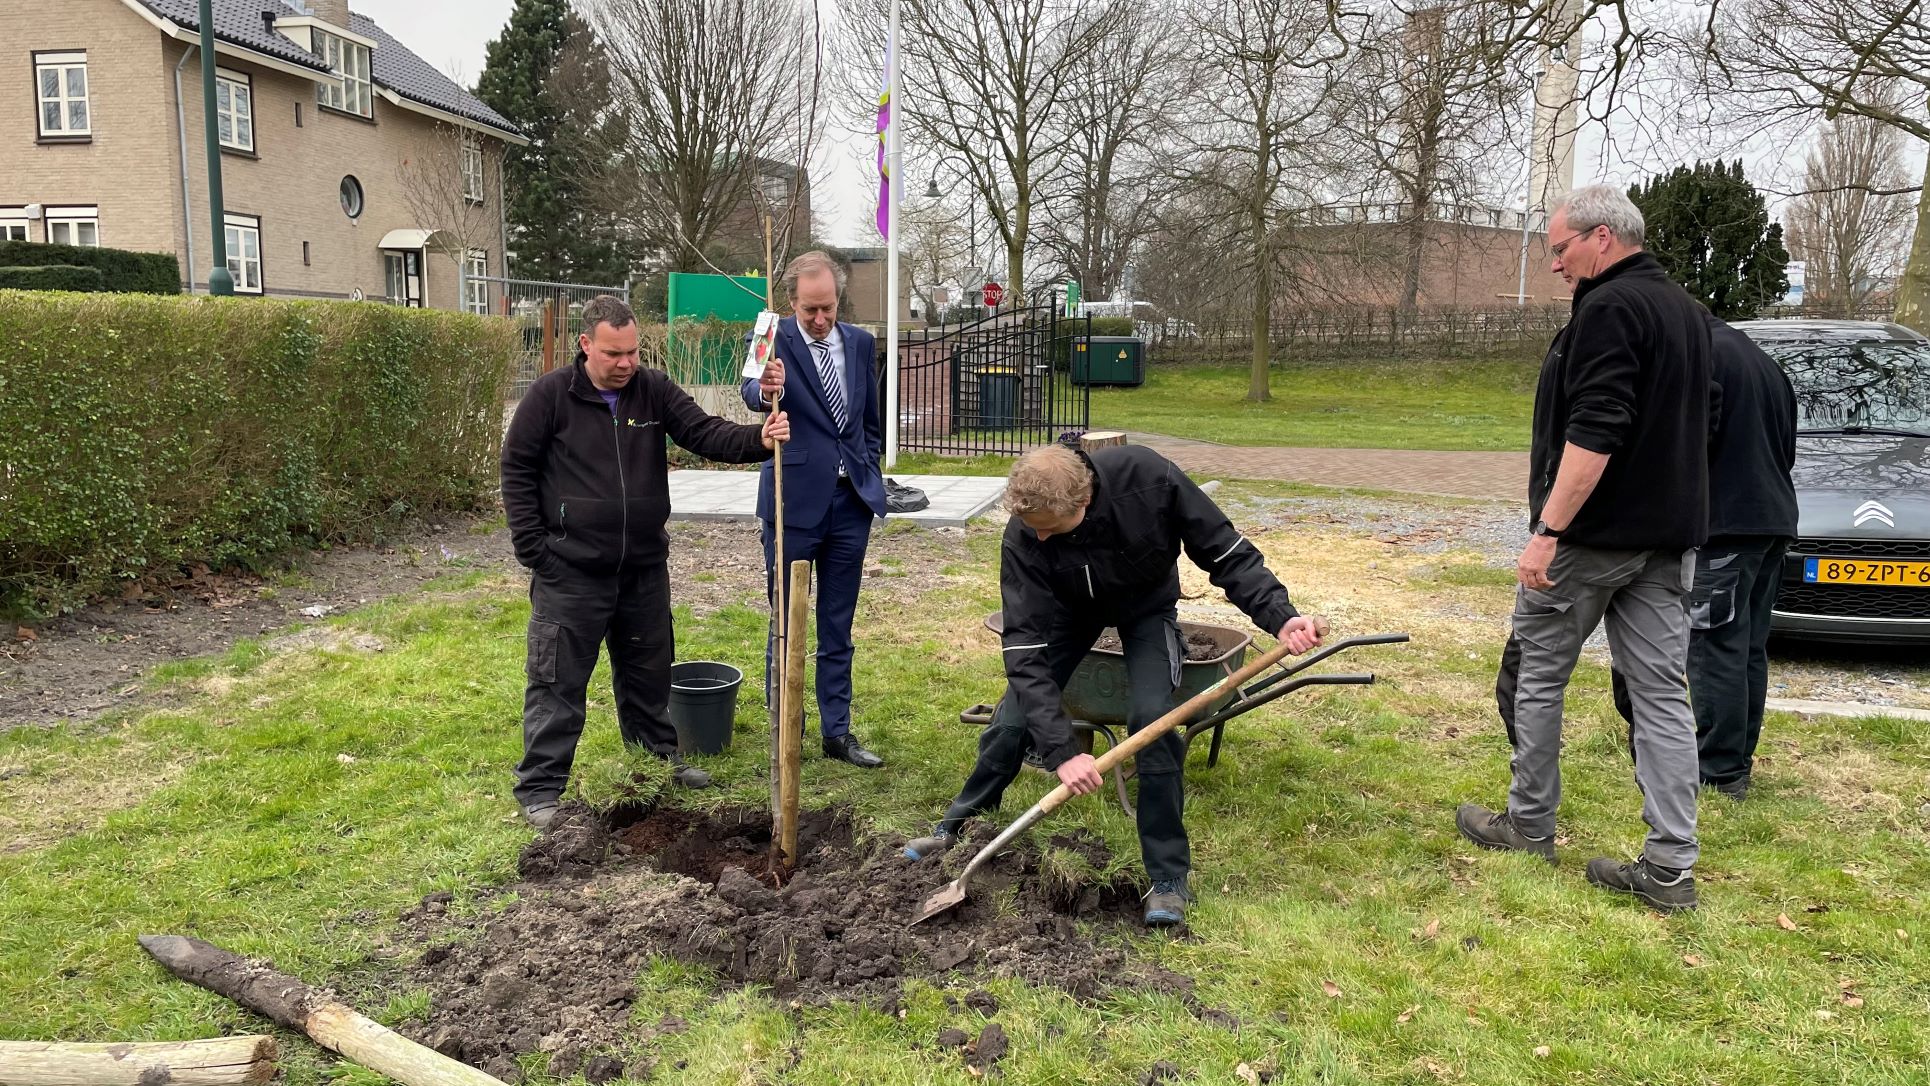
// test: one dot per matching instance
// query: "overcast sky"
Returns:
(454, 36)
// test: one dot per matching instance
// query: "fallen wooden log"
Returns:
(248, 1060)
(291, 1003)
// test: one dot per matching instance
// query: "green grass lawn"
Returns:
(1346, 405)
(292, 802)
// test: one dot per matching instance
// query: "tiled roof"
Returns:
(240, 22)
(392, 64)
(395, 67)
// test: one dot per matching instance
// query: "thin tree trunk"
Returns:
(1258, 389)
(1913, 291)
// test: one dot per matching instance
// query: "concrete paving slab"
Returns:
(732, 495)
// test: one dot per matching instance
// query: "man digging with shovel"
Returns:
(1092, 543)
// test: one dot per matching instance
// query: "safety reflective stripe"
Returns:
(1230, 550)
(1016, 648)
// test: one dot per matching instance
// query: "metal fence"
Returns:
(546, 314)
(1001, 384)
(1358, 333)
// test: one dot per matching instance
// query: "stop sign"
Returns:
(994, 294)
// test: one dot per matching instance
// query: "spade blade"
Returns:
(945, 900)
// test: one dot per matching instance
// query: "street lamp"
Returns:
(932, 192)
(220, 282)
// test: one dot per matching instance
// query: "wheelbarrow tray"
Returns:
(1100, 693)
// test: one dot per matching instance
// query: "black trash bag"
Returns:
(903, 499)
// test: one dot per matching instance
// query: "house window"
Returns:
(61, 79)
(234, 110)
(74, 226)
(244, 252)
(349, 90)
(475, 287)
(13, 223)
(350, 192)
(403, 271)
(472, 167)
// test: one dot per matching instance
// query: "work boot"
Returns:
(1166, 903)
(686, 774)
(1737, 789)
(540, 814)
(920, 847)
(1498, 831)
(1661, 888)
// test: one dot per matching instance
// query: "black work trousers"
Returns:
(573, 613)
(1153, 656)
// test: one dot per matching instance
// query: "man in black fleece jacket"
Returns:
(586, 489)
(1618, 498)
(1093, 542)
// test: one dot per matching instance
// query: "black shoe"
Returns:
(1659, 888)
(686, 774)
(1737, 789)
(1166, 903)
(938, 841)
(1498, 831)
(846, 748)
(539, 814)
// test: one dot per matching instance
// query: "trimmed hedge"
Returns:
(53, 277)
(138, 434)
(1112, 326)
(123, 271)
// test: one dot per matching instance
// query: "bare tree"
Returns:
(449, 183)
(1117, 162)
(992, 84)
(708, 95)
(1425, 110)
(937, 251)
(1839, 226)
(1259, 128)
(1764, 63)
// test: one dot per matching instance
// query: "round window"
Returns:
(351, 197)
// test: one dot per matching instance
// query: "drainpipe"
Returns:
(181, 126)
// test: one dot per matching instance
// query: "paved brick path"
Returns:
(1502, 475)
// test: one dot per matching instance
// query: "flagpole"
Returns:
(891, 246)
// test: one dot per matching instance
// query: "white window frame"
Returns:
(245, 269)
(73, 218)
(351, 90)
(14, 224)
(472, 167)
(63, 65)
(240, 110)
(476, 289)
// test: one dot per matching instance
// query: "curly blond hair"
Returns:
(1051, 480)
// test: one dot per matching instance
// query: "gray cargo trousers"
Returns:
(1642, 596)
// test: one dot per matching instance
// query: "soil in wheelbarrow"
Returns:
(1199, 646)
(554, 970)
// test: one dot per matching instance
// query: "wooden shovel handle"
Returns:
(1145, 736)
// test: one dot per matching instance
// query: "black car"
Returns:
(1860, 568)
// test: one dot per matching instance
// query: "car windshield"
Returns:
(1874, 384)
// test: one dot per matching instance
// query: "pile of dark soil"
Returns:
(553, 972)
(1199, 646)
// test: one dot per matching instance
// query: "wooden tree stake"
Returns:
(247, 1060)
(791, 749)
(288, 1002)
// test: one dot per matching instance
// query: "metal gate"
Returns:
(1000, 384)
(547, 315)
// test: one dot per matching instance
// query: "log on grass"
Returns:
(289, 1002)
(248, 1060)
(1099, 439)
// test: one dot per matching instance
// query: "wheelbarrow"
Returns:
(1097, 697)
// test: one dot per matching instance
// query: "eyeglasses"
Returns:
(1561, 247)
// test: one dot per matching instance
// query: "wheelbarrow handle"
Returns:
(1257, 696)
(1311, 659)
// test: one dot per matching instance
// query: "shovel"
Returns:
(954, 894)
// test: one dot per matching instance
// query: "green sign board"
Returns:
(709, 315)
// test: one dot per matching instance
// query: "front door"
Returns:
(405, 277)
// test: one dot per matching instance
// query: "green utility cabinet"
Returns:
(1109, 360)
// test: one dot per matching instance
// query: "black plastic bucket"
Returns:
(703, 704)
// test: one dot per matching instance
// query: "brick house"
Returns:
(351, 168)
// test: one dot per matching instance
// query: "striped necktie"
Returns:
(833, 382)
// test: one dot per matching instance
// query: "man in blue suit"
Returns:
(833, 485)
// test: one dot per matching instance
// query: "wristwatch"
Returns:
(1541, 528)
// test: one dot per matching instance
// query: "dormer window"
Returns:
(349, 89)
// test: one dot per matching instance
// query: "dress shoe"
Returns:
(846, 748)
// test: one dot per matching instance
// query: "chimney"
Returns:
(330, 11)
